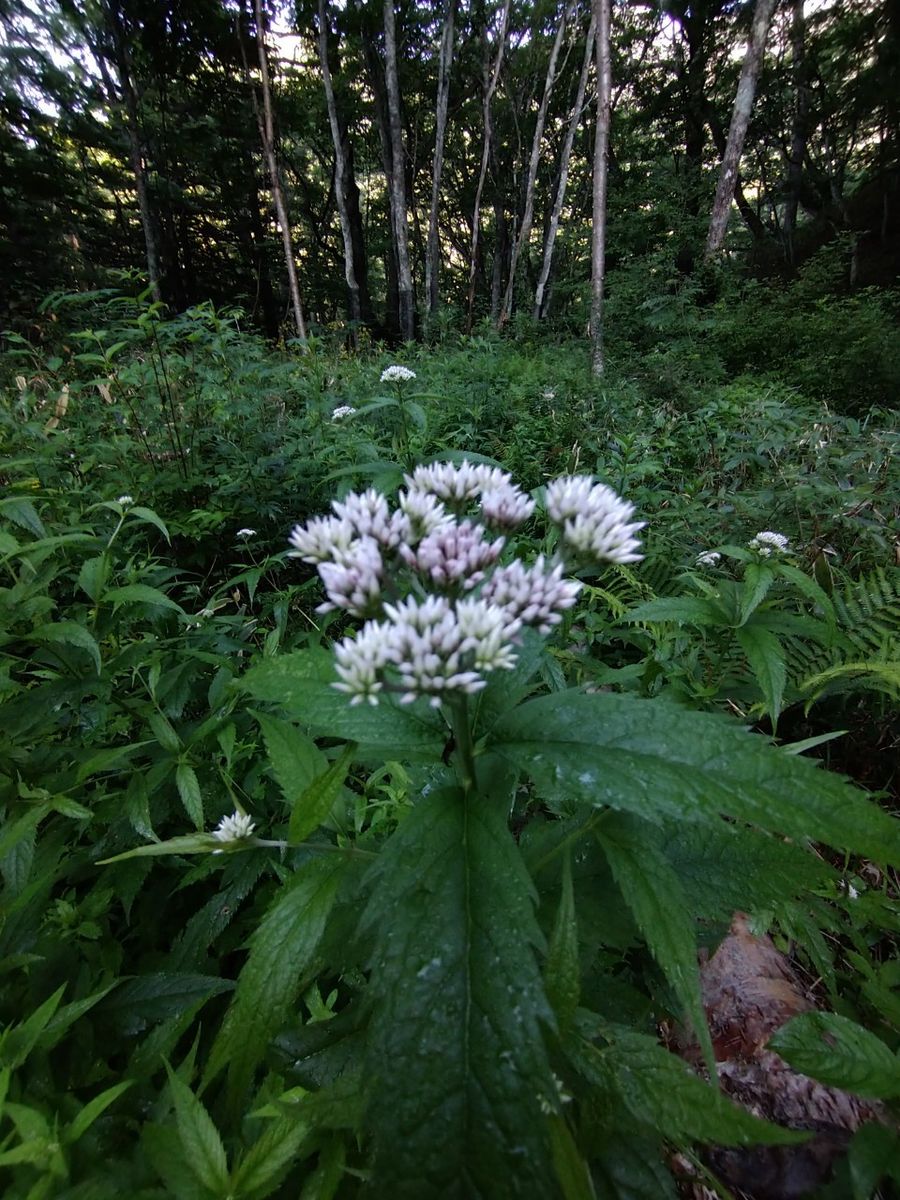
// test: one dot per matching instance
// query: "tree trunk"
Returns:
(266, 123)
(740, 119)
(397, 180)
(565, 158)
(485, 158)
(798, 127)
(533, 164)
(602, 16)
(433, 251)
(340, 171)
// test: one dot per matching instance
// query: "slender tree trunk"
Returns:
(602, 17)
(751, 217)
(397, 179)
(122, 66)
(798, 126)
(533, 164)
(485, 159)
(433, 251)
(740, 120)
(340, 170)
(565, 159)
(266, 123)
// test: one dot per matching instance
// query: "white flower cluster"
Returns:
(397, 374)
(595, 522)
(343, 410)
(709, 558)
(233, 828)
(243, 534)
(767, 543)
(463, 611)
(125, 501)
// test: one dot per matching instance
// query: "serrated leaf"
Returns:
(839, 1053)
(270, 1157)
(151, 998)
(66, 1016)
(191, 843)
(316, 802)
(659, 761)
(93, 1109)
(654, 895)
(140, 593)
(758, 579)
(200, 1139)
(189, 790)
(93, 575)
(562, 971)
(148, 515)
(292, 681)
(163, 732)
(456, 1059)
(19, 1040)
(808, 586)
(633, 1168)
(23, 513)
(686, 610)
(660, 1090)
(765, 655)
(281, 950)
(68, 633)
(295, 758)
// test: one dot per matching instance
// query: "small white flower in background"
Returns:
(766, 542)
(125, 501)
(595, 521)
(852, 893)
(709, 558)
(460, 614)
(233, 828)
(206, 612)
(548, 394)
(243, 534)
(343, 410)
(397, 374)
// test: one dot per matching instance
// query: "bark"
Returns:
(485, 159)
(799, 126)
(533, 164)
(397, 181)
(565, 159)
(266, 123)
(751, 216)
(433, 251)
(602, 16)
(122, 66)
(340, 170)
(740, 120)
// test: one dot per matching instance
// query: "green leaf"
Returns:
(873, 1155)
(23, 513)
(293, 681)
(270, 1157)
(757, 582)
(164, 733)
(66, 1016)
(18, 1041)
(653, 892)
(189, 790)
(808, 587)
(316, 802)
(562, 972)
(93, 1109)
(651, 758)
(839, 1053)
(68, 633)
(92, 577)
(281, 950)
(660, 1090)
(13, 832)
(685, 610)
(192, 843)
(295, 758)
(766, 658)
(460, 1080)
(150, 517)
(200, 1139)
(572, 1172)
(141, 593)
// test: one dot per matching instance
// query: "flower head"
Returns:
(126, 501)
(767, 542)
(397, 374)
(321, 538)
(343, 410)
(595, 522)
(233, 828)
(353, 580)
(506, 505)
(536, 595)
(708, 558)
(454, 555)
(243, 534)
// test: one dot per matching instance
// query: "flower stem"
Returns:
(462, 736)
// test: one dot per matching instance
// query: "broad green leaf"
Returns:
(163, 732)
(649, 757)
(22, 513)
(572, 1172)
(758, 579)
(873, 1155)
(660, 1090)
(140, 593)
(281, 951)
(808, 587)
(68, 633)
(66, 1016)
(189, 790)
(18, 1041)
(292, 681)
(460, 1083)
(295, 758)
(164, 1151)
(633, 1167)
(93, 575)
(150, 998)
(562, 971)
(13, 832)
(325, 1180)
(93, 1109)
(200, 1139)
(314, 804)
(192, 843)
(686, 610)
(839, 1053)
(505, 689)
(270, 1157)
(766, 658)
(653, 892)
(148, 515)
